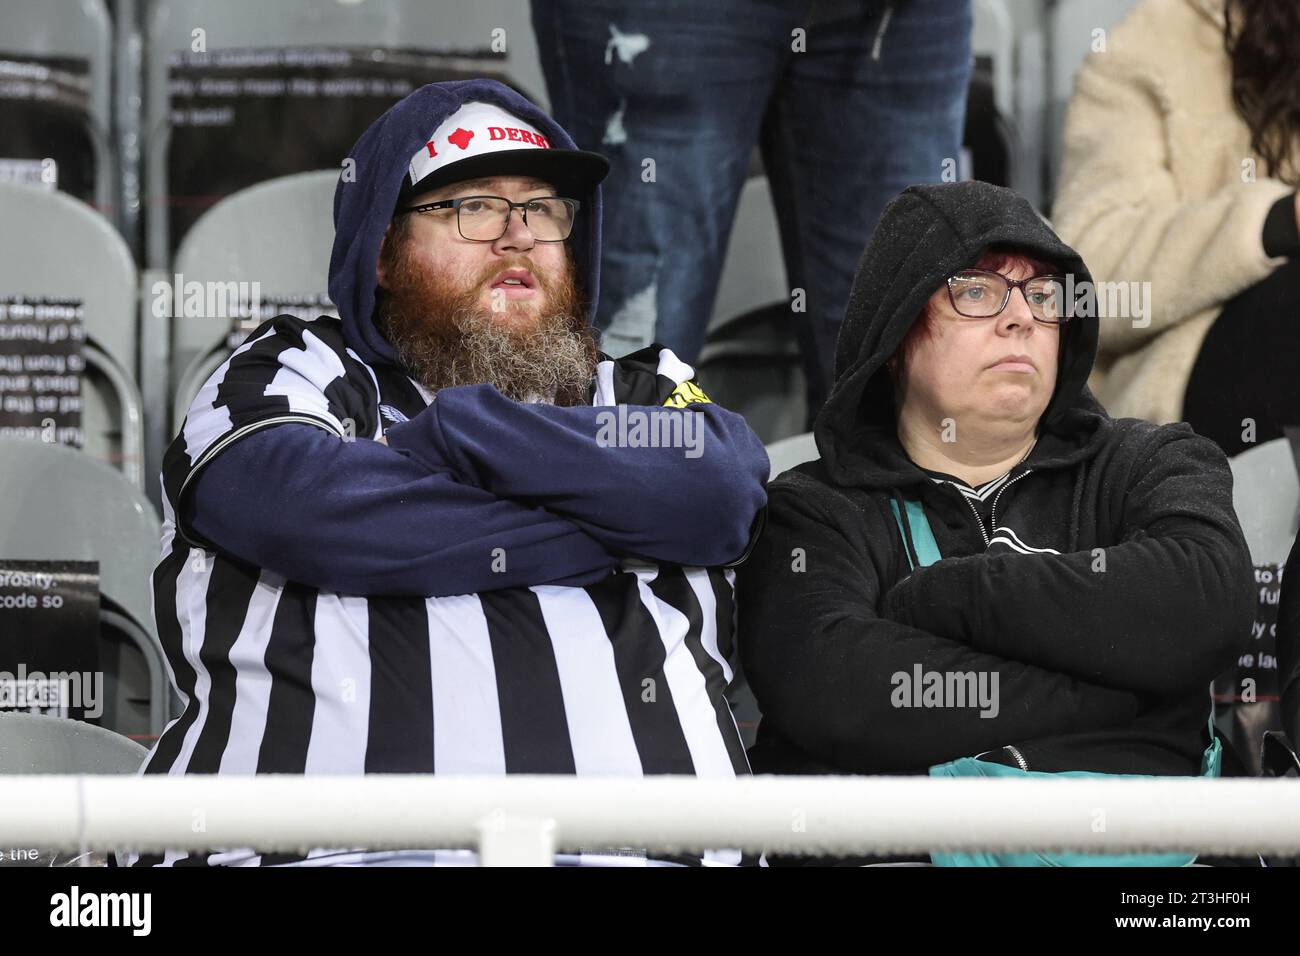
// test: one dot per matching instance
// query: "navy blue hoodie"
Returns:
(329, 605)
(484, 471)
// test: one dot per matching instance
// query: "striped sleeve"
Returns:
(288, 370)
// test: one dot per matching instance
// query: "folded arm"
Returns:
(822, 659)
(685, 489)
(358, 518)
(1164, 611)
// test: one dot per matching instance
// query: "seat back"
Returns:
(93, 265)
(488, 37)
(62, 506)
(278, 234)
(79, 30)
(795, 450)
(34, 743)
(1266, 496)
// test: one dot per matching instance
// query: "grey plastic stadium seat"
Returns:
(35, 743)
(795, 450)
(277, 233)
(1266, 496)
(61, 505)
(80, 29)
(67, 250)
(241, 24)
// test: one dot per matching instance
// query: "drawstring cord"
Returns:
(909, 550)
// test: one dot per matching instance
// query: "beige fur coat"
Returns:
(1159, 185)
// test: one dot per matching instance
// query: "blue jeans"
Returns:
(874, 103)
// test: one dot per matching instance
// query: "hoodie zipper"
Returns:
(1012, 749)
(993, 512)
(1021, 762)
(1020, 758)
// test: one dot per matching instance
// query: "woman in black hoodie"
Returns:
(983, 562)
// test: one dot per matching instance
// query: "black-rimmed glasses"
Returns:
(486, 218)
(979, 294)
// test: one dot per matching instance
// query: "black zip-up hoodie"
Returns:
(1113, 588)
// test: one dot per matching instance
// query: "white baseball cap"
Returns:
(482, 139)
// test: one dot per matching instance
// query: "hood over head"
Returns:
(926, 234)
(399, 154)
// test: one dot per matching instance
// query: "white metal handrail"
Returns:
(524, 818)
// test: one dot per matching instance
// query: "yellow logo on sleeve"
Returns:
(687, 393)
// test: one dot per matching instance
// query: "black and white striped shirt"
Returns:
(622, 678)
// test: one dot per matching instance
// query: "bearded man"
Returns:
(405, 541)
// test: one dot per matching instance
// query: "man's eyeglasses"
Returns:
(486, 218)
(978, 294)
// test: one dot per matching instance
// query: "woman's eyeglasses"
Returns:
(979, 294)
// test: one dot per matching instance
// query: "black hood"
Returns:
(925, 235)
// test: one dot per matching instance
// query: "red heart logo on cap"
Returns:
(460, 138)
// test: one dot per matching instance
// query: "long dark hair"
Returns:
(1263, 43)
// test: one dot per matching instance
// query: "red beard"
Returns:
(445, 338)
